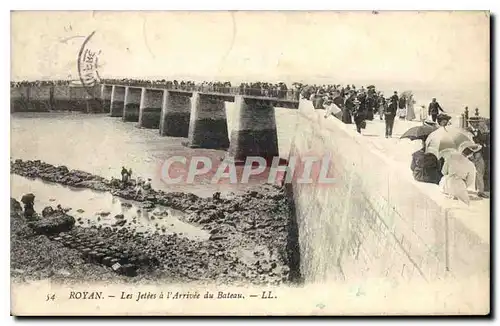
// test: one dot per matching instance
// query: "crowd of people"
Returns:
(264, 89)
(357, 105)
(40, 83)
(465, 168)
(351, 105)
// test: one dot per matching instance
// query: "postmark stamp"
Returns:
(88, 64)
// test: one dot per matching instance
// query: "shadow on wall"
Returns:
(292, 247)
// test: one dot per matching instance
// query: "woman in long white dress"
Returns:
(410, 111)
(459, 175)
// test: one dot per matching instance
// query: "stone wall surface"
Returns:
(58, 97)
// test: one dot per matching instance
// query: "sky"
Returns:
(424, 48)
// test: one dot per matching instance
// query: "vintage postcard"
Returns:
(250, 163)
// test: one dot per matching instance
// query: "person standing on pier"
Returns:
(381, 105)
(434, 109)
(125, 175)
(480, 135)
(410, 110)
(359, 116)
(348, 109)
(390, 115)
(402, 107)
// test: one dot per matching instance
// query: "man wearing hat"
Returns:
(481, 135)
(434, 109)
(359, 115)
(390, 114)
(348, 108)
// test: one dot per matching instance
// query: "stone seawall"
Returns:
(60, 97)
(375, 221)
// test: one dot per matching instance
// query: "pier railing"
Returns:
(279, 94)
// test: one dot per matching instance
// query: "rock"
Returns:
(58, 222)
(120, 223)
(104, 213)
(215, 231)
(80, 210)
(217, 237)
(148, 205)
(119, 216)
(52, 199)
(15, 206)
(48, 211)
(62, 169)
(125, 204)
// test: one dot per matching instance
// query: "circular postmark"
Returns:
(88, 64)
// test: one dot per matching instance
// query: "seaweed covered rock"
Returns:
(48, 211)
(56, 223)
(15, 206)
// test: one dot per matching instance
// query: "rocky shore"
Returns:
(250, 236)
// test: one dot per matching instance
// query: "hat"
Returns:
(443, 116)
(470, 145)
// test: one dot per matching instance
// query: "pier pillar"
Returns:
(208, 123)
(150, 109)
(254, 133)
(106, 97)
(175, 113)
(117, 97)
(132, 103)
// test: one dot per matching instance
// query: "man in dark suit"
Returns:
(390, 114)
(434, 109)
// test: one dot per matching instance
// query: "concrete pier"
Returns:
(106, 91)
(208, 123)
(254, 133)
(85, 99)
(117, 98)
(150, 109)
(385, 225)
(132, 103)
(175, 114)
(62, 98)
(19, 97)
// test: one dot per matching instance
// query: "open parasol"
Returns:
(418, 132)
(444, 139)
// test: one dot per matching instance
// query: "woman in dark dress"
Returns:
(359, 115)
(348, 109)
